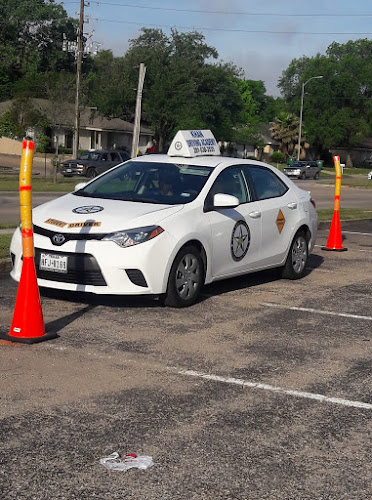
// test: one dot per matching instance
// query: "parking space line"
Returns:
(357, 232)
(319, 269)
(271, 388)
(316, 311)
(359, 249)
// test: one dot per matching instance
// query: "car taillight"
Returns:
(312, 201)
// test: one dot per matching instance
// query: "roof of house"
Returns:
(266, 135)
(64, 115)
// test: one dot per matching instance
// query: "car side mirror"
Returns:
(222, 200)
(80, 186)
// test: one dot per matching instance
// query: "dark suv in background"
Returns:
(92, 163)
(303, 169)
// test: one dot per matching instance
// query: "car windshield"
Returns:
(89, 155)
(298, 164)
(149, 182)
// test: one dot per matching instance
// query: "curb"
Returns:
(346, 223)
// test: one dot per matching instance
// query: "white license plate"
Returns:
(52, 262)
(68, 170)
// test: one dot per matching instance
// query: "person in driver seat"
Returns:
(169, 181)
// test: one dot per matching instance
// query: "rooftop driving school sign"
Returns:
(191, 143)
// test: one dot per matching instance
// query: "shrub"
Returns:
(277, 157)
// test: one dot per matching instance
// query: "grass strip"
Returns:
(40, 184)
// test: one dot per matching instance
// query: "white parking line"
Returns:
(359, 249)
(357, 232)
(267, 387)
(316, 311)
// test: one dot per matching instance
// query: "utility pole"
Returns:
(78, 78)
(137, 118)
(301, 111)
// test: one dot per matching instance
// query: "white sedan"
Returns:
(168, 224)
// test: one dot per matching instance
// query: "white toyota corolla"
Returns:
(167, 224)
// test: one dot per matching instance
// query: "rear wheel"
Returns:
(185, 279)
(92, 172)
(295, 265)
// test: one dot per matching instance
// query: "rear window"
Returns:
(265, 183)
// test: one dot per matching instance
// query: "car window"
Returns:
(105, 157)
(115, 156)
(149, 182)
(265, 183)
(231, 181)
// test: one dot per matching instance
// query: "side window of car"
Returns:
(104, 157)
(231, 181)
(265, 183)
(115, 157)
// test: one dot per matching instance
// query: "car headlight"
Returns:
(135, 236)
(80, 167)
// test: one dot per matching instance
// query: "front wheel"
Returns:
(185, 278)
(92, 173)
(295, 264)
(316, 176)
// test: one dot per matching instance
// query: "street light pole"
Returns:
(301, 111)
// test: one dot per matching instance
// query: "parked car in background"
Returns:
(92, 163)
(303, 169)
(370, 176)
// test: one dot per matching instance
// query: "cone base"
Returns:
(334, 249)
(28, 340)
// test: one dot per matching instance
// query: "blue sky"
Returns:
(260, 37)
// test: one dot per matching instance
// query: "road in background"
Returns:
(323, 195)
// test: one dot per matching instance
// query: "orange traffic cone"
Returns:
(335, 238)
(28, 325)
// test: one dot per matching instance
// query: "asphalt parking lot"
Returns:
(262, 390)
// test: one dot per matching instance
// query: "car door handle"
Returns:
(292, 205)
(255, 215)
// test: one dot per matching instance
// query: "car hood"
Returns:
(76, 214)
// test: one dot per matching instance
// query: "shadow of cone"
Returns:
(28, 324)
(335, 237)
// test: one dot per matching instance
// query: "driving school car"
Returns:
(168, 224)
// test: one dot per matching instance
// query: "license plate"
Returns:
(52, 262)
(68, 170)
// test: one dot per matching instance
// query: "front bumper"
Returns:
(102, 267)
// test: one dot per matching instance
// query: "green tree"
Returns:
(337, 109)
(183, 89)
(31, 33)
(285, 130)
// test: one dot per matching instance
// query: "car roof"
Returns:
(203, 161)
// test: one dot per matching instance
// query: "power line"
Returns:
(202, 11)
(234, 30)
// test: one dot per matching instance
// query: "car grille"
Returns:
(83, 269)
(68, 236)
